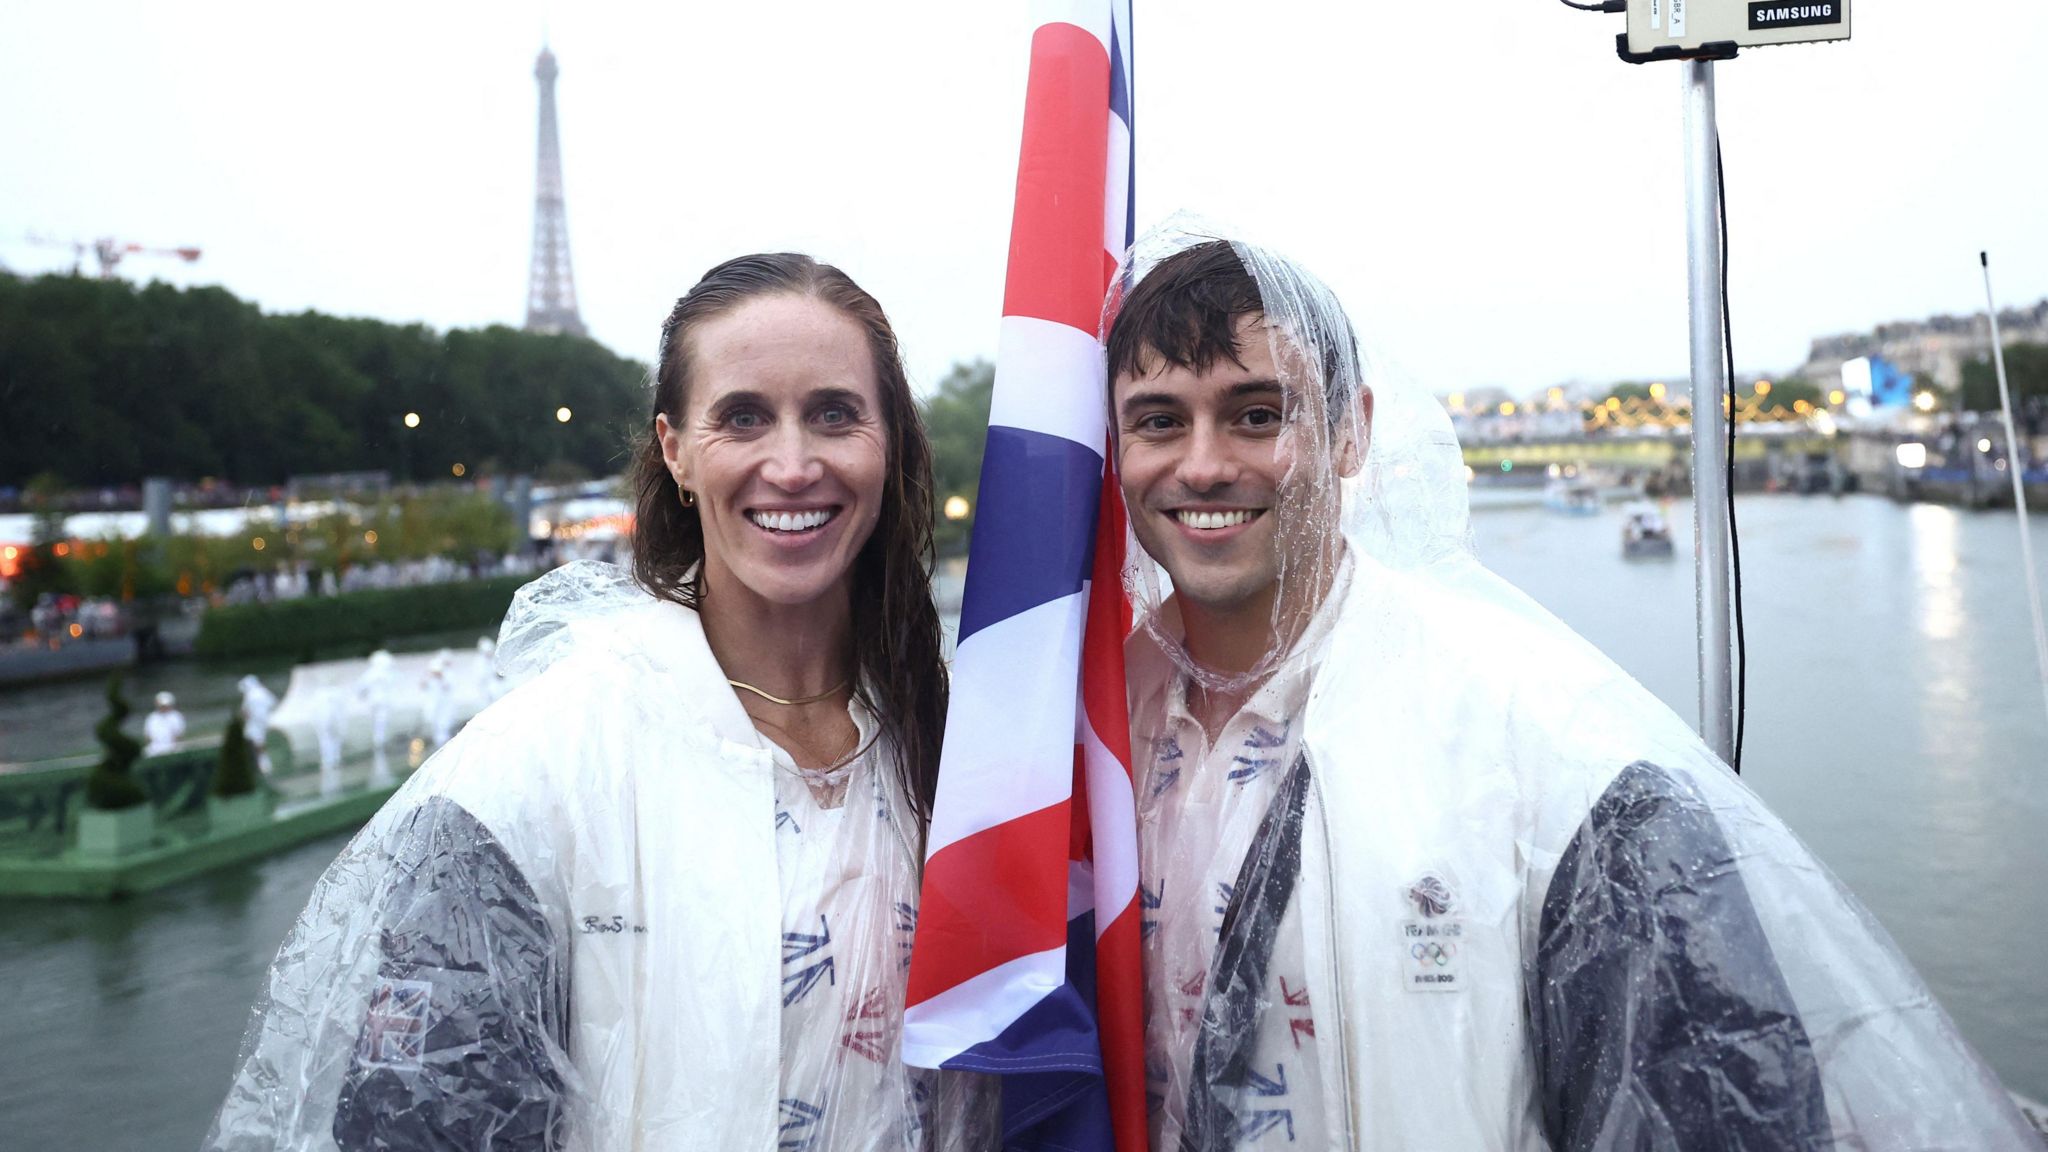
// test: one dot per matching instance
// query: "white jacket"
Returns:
(618, 809)
(1632, 953)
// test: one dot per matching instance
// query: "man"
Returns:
(1420, 869)
(164, 726)
(257, 704)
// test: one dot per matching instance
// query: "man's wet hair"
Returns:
(1185, 314)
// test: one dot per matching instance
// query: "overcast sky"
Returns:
(1496, 196)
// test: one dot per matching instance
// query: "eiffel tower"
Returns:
(550, 285)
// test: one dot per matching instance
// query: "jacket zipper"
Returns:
(1334, 964)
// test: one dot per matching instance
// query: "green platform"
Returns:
(38, 816)
(184, 848)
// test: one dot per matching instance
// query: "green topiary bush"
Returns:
(110, 787)
(235, 774)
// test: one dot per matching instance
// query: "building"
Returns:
(1935, 349)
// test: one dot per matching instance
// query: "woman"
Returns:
(661, 895)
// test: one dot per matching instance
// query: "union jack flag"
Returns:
(1026, 960)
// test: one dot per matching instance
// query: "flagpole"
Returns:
(1710, 474)
(2013, 466)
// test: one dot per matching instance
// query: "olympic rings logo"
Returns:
(1434, 953)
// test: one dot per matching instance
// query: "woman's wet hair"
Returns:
(895, 625)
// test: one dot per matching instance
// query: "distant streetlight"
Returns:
(410, 420)
(1507, 407)
(458, 469)
(957, 508)
(562, 415)
(1656, 391)
(1763, 387)
(1837, 396)
(1924, 401)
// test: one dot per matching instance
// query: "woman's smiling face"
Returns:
(783, 442)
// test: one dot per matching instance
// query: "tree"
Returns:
(41, 568)
(253, 399)
(446, 522)
(956, 420)
(110, 787)
(235, 774)
(1788, 393)
(2026, 371)
(117, 569)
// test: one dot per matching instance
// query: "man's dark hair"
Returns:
(1184, 313)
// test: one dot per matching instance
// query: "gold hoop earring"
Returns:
(689, 498)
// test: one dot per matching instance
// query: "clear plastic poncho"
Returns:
(1435, 873)
(606, 915)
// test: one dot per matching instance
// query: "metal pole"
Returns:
(1709, 423)
(2014, 450)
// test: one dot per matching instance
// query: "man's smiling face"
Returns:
(1208, 464)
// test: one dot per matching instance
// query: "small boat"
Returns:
(1573, 495)
(1644, 534)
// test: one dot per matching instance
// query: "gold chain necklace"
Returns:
(826, 694)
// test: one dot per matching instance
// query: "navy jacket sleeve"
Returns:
(1662, 1022)
(470, 994)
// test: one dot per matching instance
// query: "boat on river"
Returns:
(1645, 535)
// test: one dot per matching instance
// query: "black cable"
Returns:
(1734, 537)
(1606, 6)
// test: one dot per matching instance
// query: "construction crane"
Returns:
(109, 252)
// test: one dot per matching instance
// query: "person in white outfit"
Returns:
(327, 722)
(1419, 867)
(373, 691)
(661, 895)
(437, 693)
(257, 704)
(488, 684)
(163, 727)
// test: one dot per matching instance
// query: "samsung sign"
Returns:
(1774, 14)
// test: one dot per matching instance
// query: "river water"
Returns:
(1894, 719)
